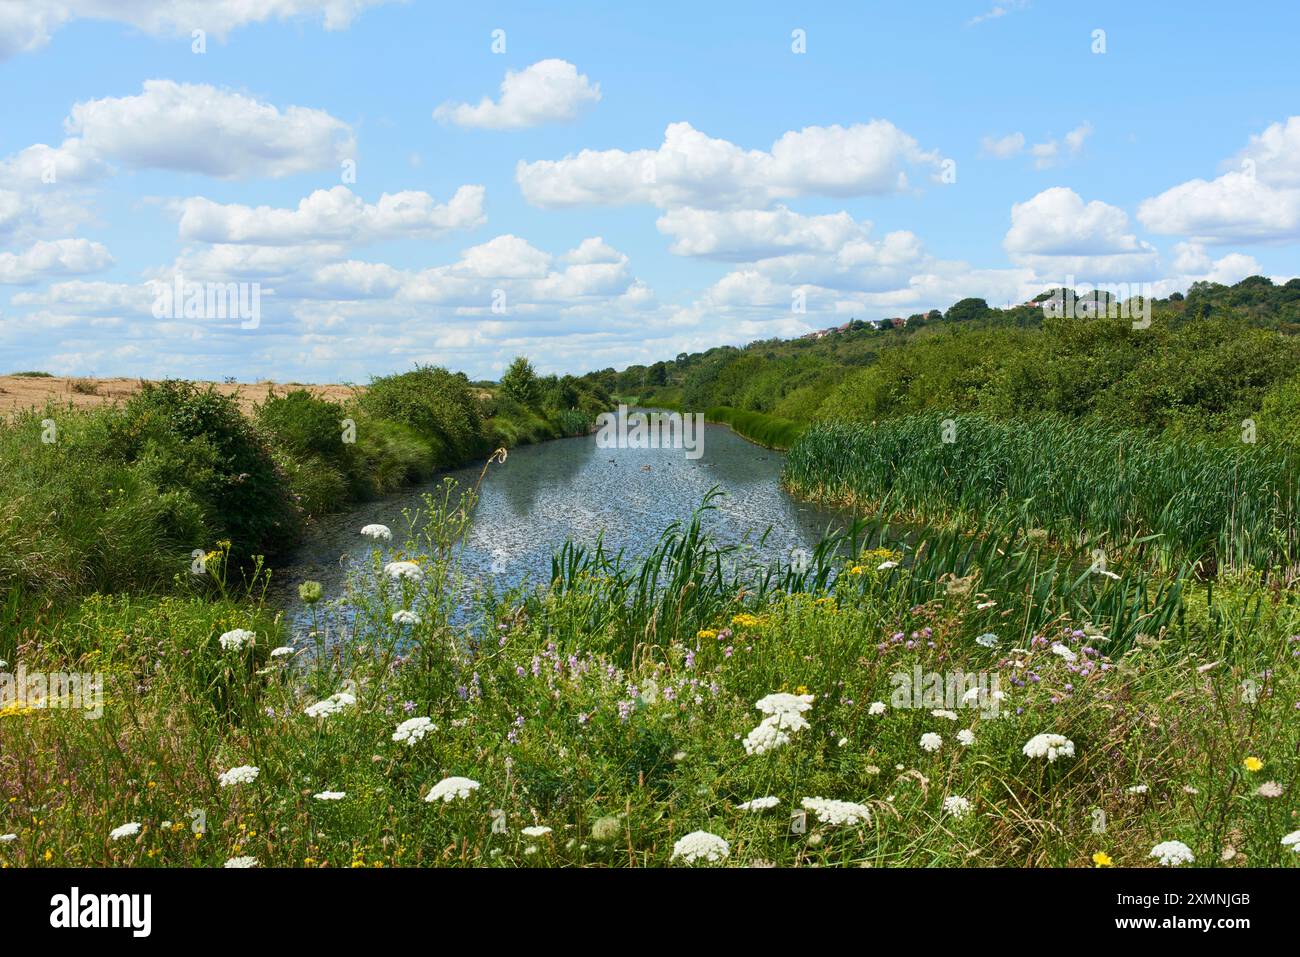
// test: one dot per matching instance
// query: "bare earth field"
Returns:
(24, 392)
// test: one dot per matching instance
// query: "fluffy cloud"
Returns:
(332, 215)
(197, 128)
(747, 234)
(28, 26)
(693, 169)
(1056, 233)
(549, 91)
(62, 257)
(1258, 201)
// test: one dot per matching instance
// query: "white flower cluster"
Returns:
(1292, 841)
(830, 811)
(237, 639)
(931, 742)
(377, 532)
(536, 830)
(407, 570)
(759, 804)
(956, 805)
(700, 846)
(244, 774)
(405, 617)
(241, 862)
(877, 708)
(330, 795)
(449, 789)
(1172, 853)
(412, 730)
(334, 704)
(784, 717)
(1050, 746)
(126, 830)
(965, 737)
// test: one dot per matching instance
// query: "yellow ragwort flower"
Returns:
(1253, 764)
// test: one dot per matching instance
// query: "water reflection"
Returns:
(570, 489)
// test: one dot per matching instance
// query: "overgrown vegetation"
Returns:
(601, 720)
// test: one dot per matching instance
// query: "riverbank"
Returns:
(874, 708)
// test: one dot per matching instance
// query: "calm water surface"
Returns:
(570, 489)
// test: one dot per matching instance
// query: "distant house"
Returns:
(898, 322)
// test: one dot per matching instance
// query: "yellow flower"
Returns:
(746, 620)
(856, 570)
(1102, 859)
(1253, 764)
(706, 633)
(801, 690)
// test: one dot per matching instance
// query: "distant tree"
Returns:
(520, 382)
(966, 309)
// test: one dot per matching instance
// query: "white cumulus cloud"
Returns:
(549, 91)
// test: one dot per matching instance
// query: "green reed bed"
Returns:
(1131, 494)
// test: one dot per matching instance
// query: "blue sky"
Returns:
(731, 188)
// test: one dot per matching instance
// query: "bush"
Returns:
(441, 406)
(75, 517)
(197, 440)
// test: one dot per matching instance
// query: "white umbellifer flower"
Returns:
(885, 566)
(334, 704)
(282, 652)
(8, 838)
(449, 789)
(407, 570)
(965, 737)
(877, 708)
(785, 705)
(244, 774)
(1138, 789)
(1172, 853)
(1050, 746)
(330, 795)
(956, 805)
(241, 862)
(759, 804)
(1269, 789)
(377, 532)
(1064, 652)
(413, 729)
(700, 846)
(1292, 841)
(237, 639)
(950, 715)
(931, 742)
(126, 830)
(530, 850)
(405, 617)
(537, 830)
(829, 811)
(768, 736)
(987, 640)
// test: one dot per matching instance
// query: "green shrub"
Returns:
(75, 517)
(440, 405)
(197, 440)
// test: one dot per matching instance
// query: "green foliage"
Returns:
(182, 437)
(1168, 500)
(440, 405)
(767, 430)
(75, 517)
(520, 383)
